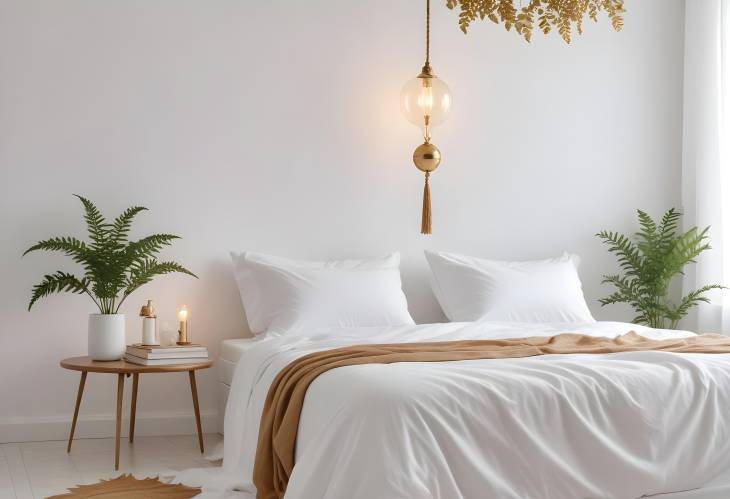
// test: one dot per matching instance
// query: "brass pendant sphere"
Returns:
(427, 157)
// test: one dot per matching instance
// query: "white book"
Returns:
(142, 354)
(155, 352)
(163, 362)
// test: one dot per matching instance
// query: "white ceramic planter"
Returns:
(107, 340)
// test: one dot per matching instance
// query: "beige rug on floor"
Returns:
(128, 487)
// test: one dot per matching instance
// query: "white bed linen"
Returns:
(558, 426)
(230, 353)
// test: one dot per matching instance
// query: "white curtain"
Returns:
(705, 165)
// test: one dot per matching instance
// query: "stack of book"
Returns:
(157, 355)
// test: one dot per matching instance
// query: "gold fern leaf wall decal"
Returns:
(563, 16)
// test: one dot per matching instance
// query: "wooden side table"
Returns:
(122, 368)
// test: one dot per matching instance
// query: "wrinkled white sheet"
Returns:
(557, 426)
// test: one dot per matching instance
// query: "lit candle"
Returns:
(182, 315)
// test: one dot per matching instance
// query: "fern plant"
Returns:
(114, 267)
(649, 262)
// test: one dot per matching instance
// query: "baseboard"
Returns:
(34, 429)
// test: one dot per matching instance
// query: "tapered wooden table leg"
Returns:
(196, 405)
(76, 410)
(120, 394)
(133, 415)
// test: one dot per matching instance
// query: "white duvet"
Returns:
(557, 426)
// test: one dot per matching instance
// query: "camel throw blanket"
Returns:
(280, 417)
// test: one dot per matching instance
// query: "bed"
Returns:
(552, 426)
(557, 426)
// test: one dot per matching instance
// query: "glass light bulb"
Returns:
(426, 101)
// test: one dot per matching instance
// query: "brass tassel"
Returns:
(426, 214)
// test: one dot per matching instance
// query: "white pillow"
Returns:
(471, 289)
(288, 295)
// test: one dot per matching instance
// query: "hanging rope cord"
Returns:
(428, 31)
(426, 210)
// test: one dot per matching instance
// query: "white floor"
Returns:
(35, 470)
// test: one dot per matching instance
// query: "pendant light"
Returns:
(425, 102)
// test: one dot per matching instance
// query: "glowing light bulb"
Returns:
(426, 101)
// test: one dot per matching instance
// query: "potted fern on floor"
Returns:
(650, 261)
(114, 268)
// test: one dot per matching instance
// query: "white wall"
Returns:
(275, 126)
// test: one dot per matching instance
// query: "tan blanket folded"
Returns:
(280, 416)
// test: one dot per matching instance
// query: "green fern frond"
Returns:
(669, 224)
(694, 298)
(623, 283)
(148, 246)
(144, 271)
(57, 283)
(688, 247)
(69, 245)
(123, 223)
(615, 297)
(627, 252)
(648, 226)
(95, 223)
